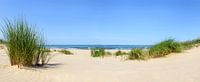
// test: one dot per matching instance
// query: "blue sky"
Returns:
(108, 21)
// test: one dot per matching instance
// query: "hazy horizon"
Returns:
(108, 22)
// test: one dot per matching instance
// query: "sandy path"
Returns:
(182, 67)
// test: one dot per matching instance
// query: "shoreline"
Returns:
(119, 47)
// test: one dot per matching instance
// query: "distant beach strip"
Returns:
(98, 46)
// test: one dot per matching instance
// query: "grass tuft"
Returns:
(66, 52)
(25, 46)
(137, 54)
(164, 48)
(108, 53)
(120, 53)
(191, 43)
(98, 52)
(47, 50)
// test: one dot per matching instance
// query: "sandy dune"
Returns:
(80, 67)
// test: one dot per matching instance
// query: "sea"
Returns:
(98, 46)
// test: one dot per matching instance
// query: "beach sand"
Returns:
(81, 67)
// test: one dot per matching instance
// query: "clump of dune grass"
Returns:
(98, 52)
(164, 48)
(66, 52)
(25, 46)
(47, 50)
(187, 45)
(108, 53)
(190, 43)
(120, 53)
(138, 54)
(158, 50)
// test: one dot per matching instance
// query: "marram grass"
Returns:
(98, 52)
(161, 49)
(66, 52)
(25, 46)
(164, 48)
(138, 54)
(120, 53)
(190, 43)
